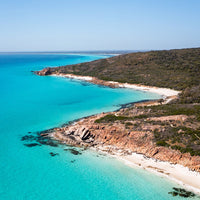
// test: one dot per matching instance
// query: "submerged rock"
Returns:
(48, 142)
(40, 139)
(32, 144)
(73, 151)
(181, 192)
(28, 138)
(54, 154)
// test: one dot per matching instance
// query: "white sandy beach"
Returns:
(165, 92)
(188, 179)
(182, 175)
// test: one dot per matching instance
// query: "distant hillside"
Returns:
(176, 69)
(177, 123)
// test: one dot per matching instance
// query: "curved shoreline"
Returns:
(161, 168)
(175, 172)
(181, 175)
(166, 93)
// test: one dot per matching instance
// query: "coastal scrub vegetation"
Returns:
(111, 118)
(173, 132)
(175, 69)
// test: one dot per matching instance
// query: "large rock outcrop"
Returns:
(87, 133)
(44, 72)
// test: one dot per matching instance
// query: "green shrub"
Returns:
(129, 124)
(141, 117)
(162, 143)
(111, 118)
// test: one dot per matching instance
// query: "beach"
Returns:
(185, 177)
(182, 175)
(166, 93)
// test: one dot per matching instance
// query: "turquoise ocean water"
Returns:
(30, 103)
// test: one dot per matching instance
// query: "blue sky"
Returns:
(58, 25)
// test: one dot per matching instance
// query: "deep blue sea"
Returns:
(31, 103)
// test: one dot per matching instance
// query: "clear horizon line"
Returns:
(100, 51)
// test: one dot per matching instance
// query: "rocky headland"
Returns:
(166, 130)
(126, 135)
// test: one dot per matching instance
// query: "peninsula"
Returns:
(161, 135)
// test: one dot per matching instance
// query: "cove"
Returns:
(30, 103)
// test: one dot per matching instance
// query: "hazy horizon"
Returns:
(97, 51)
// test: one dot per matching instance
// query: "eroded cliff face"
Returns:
(118, 138)
(52, 71)
(44, 72)
(135, 134)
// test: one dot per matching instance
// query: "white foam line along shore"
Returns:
(186, 178)
(166, 92)
(178, 173)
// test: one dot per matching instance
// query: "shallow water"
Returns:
(31, 103)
